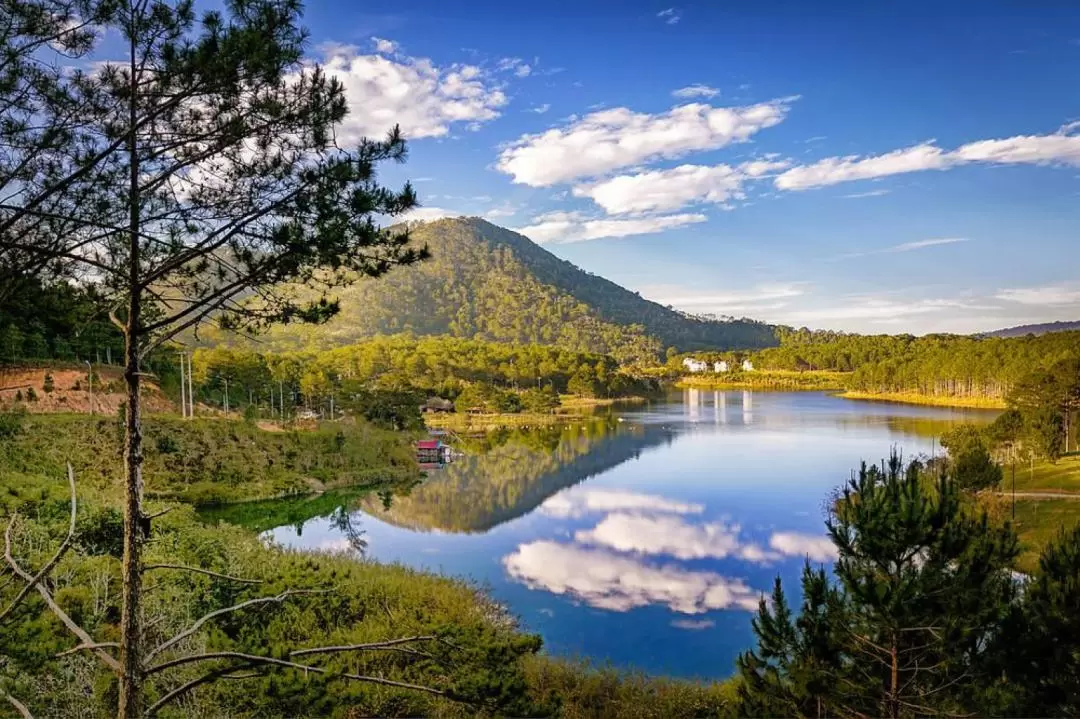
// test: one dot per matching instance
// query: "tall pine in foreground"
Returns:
(922, 587)
(196, 168)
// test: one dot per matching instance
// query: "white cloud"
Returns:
(540, 109)
(428, 214)
(695, 91)
(693, 625)
(384, 47)
(727, 302)
(1029, 150)
(610, 139)
(607, 580)
(793, 544)
(671, 189)
(871, 193)
(905, 247)
(659, 190)
(424, 99)
(516, 65)
(1046, 296)
(672, 536)
(671, 16)
(833, 170)
(880, 310)
(563, 227)
(497, 213)
(1060, 148)
(576, 502)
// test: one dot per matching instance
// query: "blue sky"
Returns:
(873, 167)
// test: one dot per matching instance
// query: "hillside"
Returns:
(487, 282)
(1038, 329)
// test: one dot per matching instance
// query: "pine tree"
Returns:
(923, 584)
(1041, 650)
(202, 166)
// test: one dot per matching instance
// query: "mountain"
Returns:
(487, 282)
(1039, 329)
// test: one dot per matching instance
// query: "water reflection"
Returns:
(658, 527)
(506, 477)
(608, 580)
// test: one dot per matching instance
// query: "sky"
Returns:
(864, 166)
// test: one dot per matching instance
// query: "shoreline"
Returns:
(925, 399)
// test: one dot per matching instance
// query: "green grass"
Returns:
(1060, 476)
(1038, 522)
(206, 461)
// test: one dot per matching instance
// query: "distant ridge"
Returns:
(487, 282)
(1037, 329)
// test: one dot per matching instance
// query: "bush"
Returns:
(31, 395)
(11, 422)
(48, 385)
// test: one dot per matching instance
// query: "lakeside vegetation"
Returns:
(204, 461)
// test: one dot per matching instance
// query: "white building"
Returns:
(720, 366)
(694, 365)
(747, 366)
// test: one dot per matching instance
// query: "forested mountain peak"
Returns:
(487, 282)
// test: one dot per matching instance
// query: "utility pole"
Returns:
(183, 388)
(90, 385)
(1014, 489)
(226, 381)
(190, 389)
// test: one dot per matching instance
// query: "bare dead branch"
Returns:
(64, 546)
(85, 647)
(199, 570)
(19, 706)
(389, 644)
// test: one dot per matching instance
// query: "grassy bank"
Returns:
(207, 461)
(926, 399)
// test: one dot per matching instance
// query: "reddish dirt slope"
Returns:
(108, 391)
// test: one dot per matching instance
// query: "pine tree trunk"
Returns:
(130, 639)
(130, 699)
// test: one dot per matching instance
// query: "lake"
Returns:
(642, 539)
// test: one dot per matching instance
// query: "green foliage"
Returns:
(31, 395)
(48, 385)
(392, 409)
(923, 587)
(932, 365)
(578, 690)
(540, 400)
(971, 466)
(1042, 649)
(12, 422)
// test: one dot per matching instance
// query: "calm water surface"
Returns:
(644, 539)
